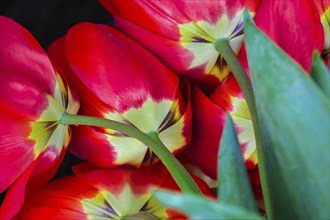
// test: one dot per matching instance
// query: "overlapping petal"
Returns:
(209, 114)
(187, 28)
(33, 98)
(295, 26)
(117, 79)
(102, 194)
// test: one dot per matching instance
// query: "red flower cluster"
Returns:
(159, 73)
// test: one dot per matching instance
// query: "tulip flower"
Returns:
(117, 79)
(104, 194)
(33, 99)
(182, 33)
(209, 122)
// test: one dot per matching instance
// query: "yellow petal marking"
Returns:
(148, 118)
(106, 205)
(47, 130)
(199, 38)
(242, 119)
(325, 20)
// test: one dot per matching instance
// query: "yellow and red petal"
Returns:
(117, 79)
(117, 70)
(294, 25)
(323, 7)
(181, 34)
(99, 194)
(167, 50)
(33, 99)
(229, 97)
(22, 100)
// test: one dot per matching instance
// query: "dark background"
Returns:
(48, 20)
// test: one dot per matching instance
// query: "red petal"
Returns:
(208, 122)
(15, 195)
(56, 53)
(104, 60)
(23, 59)
(294, 25)
(113, 180)
(209, 10)
(94, 147)
(16, 150)
(161, 18)
(42, 213)
(222, 95)
(170, 52)
(63, 196)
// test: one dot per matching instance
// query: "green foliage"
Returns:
(234, 186)
(197, 207)
(294, 122)
(321, 74)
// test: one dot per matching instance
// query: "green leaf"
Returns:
(197, 207)
(321, 74)
(294, 120)
(234, 186)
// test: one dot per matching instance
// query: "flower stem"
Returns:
(178, 172)
(223, 47)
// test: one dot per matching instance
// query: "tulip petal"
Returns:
(208, 123)
(229, 97)
(152, 16)
(15, 195)
(103, 59)
(294, 25)
(212, 10)
(23, 59)
(16, 152)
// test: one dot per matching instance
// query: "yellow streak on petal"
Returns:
(242, 119)
(96, 208)
(325, 20)
(156, 208)
(175, 130)
(125, 202)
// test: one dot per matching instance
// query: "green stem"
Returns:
(178, 172)
(223, 47)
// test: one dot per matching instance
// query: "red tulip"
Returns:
(104, 194)
(117, 79)
(33, 99)
(209, 114)
(182, 33)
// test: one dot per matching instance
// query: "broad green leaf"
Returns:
(234, 186)
(294, 120)
(197, 207)
(321, 74)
